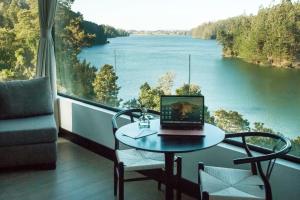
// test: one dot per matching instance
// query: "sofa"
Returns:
(28, 131)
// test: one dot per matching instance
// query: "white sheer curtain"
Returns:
(46, 65)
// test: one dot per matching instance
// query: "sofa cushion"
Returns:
(30, 130)
(24, 98)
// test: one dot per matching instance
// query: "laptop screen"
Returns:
(182, 110)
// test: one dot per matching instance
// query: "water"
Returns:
(261, 94)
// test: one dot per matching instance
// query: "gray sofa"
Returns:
(28, 132)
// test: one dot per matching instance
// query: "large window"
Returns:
(19, 35)
(243, 61)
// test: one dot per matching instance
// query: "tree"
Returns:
(270, 38)
(263, 141)
(83, 76)
(187, 89)
(259, 127)
(19, 34)
(296, 147)
(231, 121)
(105, 86)
(193, 89)
(132, 103)
(74, 77)
(166, 82)
(150, 97)
(7, 48)
(96, 30)
(111, 32)
(75, 37)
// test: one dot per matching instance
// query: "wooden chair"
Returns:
(134, 160)
(225, 183)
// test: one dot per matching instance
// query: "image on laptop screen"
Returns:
(188, 110)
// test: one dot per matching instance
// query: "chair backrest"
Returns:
(25, 98)
(133, 114)
(271, 157)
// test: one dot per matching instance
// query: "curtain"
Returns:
(46, 65)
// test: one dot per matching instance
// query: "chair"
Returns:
(28, 131)
(134, 160)
(225, 183)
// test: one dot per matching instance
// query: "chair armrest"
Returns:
(285, 149)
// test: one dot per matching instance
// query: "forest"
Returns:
(272, 37)
(19, 36)
(101, 32)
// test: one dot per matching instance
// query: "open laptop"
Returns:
(181, 112)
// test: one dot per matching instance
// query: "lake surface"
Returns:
(260, 94)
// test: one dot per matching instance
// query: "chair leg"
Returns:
(205, 196)
(159, 185)
(121, 181)
(200, 167)
(178, 177)
(115, 178)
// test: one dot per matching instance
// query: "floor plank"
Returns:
(80, 175)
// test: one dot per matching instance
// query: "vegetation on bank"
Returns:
(160, 32)
(272, 37)
(101, 32)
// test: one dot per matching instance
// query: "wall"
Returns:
(95, 124)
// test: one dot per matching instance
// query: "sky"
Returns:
(163, 14)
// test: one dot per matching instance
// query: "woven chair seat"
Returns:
(226, 183)
(140, 160)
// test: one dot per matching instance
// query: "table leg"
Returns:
(169, 164)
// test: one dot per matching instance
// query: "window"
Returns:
(160, 52)
(19, 36)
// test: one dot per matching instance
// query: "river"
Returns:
(260, 94)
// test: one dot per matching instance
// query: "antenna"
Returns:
(189, 72)
(115, 57)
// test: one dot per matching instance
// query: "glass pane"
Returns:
(122, 54)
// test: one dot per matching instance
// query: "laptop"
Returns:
(181, 112)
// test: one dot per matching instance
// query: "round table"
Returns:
(169, 145)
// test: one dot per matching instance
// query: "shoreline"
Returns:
(283, 65)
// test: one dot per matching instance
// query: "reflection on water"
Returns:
(263, 94)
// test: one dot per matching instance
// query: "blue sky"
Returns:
(163, 14)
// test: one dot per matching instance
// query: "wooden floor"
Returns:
(80, 174)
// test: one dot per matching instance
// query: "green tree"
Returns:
(231, 121)
(19, 34)
(260, 127)
(132, 103)
(263, 141)
(75, 37)
(166, 82)
(83, 77)
(105, 86)
(187, 89)
(193, 89)
(270, 38)
(7, 48)
(75, 77)
(111, 32)
(150, 97)
(95, 30)
(296, 147)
